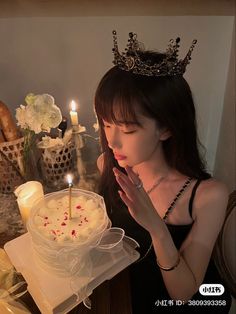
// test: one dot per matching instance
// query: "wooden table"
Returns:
(112, 297)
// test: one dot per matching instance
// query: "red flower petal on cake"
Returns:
(78, 206)
(73, 232)
(63, 224)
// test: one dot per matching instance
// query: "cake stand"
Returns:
(54, 294)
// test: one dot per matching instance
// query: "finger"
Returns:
(124, 177)
(134, 178)
(132, 175)
(125, 199)
(129, 190)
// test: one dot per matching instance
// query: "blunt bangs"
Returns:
(117, 99)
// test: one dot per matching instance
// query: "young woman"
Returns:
(154, 181)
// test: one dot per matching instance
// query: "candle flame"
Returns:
(69, 179)
(73, 105)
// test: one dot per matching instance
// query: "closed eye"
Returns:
(124, 127)
(106, 126)
(129, 132)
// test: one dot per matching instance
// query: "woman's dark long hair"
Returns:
(168, 100)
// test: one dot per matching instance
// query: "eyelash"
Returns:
(129, 132)
(125, 132)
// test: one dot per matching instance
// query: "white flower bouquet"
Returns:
(39, 114)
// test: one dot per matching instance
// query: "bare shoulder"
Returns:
(211, 195)
(100, 162)
(209, 208)
(213, 190)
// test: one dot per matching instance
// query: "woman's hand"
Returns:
(137, 200)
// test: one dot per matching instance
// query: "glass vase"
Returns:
(30, 164)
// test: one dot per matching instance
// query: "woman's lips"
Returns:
(119, 157)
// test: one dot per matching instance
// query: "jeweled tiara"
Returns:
(130, 59)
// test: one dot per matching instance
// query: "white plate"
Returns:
(53, 294)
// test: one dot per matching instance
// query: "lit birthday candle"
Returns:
(69, 180)
(73, 113)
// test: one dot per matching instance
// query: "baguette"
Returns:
(7, 124)
(2, 139)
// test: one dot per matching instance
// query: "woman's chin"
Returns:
(124, 163)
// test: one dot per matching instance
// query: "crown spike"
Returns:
(130, 59)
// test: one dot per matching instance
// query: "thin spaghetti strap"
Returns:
(190, 206)
(181, 191)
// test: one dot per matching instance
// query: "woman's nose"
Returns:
(114, 140)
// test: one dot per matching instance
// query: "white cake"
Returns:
(57, 240)
(52, 220)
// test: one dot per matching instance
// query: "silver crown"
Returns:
(130, 59)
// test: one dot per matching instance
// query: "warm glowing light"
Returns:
(73, 105)
(69, 179)
(73, 113)
(27, 194)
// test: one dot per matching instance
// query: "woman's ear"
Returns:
(165, 134)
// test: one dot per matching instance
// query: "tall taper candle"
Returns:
(74, 114)
(69, 179)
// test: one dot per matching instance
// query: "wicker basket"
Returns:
(56, 164)
(11, 165)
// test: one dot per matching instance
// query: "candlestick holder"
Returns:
(55, 163)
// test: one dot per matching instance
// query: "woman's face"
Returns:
(133, 144)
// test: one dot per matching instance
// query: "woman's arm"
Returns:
(208, 210)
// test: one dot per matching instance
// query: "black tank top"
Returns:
(120, 217)
(147, 286)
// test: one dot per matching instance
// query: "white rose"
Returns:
(43, 102)
(21, 117)
(30, 98)
(53, 117)
(33, 119)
